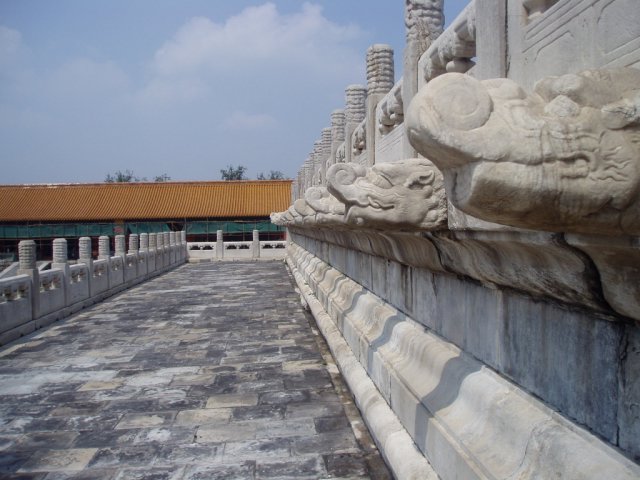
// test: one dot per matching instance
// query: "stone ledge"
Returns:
(573, 269)
(469, 421)
(392, 439)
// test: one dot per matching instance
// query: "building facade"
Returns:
(45, 212)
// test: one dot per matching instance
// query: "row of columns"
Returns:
(424, 22)
(165, 249)
(145, 242)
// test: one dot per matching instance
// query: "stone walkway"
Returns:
(210, 371)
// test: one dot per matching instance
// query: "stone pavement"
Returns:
(210, 371)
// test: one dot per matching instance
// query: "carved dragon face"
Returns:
(565, 158)
(407, 194)
(328, 209)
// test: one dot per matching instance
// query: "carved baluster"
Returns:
(380, 80)
(27, 266)
(104, 248)
(424, 21)
(120, 246)
(255, 244)
(133, 243)
(337, 134)
(144, 242)
(325, 154)
(219, 245)
(355, 111)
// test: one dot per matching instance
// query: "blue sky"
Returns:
(182, 87)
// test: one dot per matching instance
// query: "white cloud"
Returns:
(241, 120)
(257, 34)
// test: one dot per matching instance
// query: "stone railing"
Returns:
(476, 255)
(454, 49)
(221, 250)
(33, 298)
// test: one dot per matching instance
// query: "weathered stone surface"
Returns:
(462, 416)
(408, 194)
(177, 380)
(564, 158)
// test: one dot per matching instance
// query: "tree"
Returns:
(273, 175)
(162, 178)
(125, 177)
(128, 176)
(233, 173)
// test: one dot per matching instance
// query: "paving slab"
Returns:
(210, 371)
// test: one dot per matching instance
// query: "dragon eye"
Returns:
(381, 181)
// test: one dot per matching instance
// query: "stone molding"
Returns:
(594, 273)
(467, 420)
(393, 440)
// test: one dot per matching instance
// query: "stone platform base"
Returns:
(467, 420)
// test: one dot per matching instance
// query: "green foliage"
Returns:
(124, 177)
(273, 175)
(128, 176)
(233, 173)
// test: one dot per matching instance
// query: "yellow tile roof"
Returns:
(128, 201)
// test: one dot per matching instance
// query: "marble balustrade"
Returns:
(34, 298)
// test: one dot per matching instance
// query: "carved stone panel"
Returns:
(571, 35)
(407, 194)
(565, 158)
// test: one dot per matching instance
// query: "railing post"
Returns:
(84, 251)
(184, 250)
(380, 80)
(325, 153)
(121, 251)
(104, 253)
(144, 242)
(166, 249)
(219, 245)
(133, 243)
(104, 249)
(134, 248)
(27, 266)
(153, 252)
(255, 244)
(424, 22)
(60, 261)
(172, 248)
(120, 246)
(159, 251)
(144, 252)
(84, 256)
(337, 134)
(355, 111)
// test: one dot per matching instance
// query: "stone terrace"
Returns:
(210, 371)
